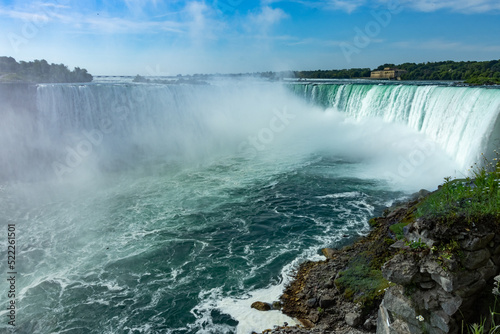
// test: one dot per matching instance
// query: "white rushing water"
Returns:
(463, 121)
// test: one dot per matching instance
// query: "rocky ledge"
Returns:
(407, 276)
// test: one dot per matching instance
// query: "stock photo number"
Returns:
(11, 274)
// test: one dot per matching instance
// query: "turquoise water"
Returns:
(141, 252)
(197, 202)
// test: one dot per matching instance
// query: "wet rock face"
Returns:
(437, 284)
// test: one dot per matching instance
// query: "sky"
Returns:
(159, 38)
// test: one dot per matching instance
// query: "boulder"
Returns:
(475, 259)
(400, 269)
(475, 243)
(311, 302)
(488, 270)
(440, 320)
(353, 319)
(261, 306)
(329, 253)
(451, 305)
(396, 302)
(326, 301)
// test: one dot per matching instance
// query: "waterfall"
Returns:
(464, 121)
(50, 129)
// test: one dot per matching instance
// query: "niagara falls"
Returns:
(177, 206)
(249, 167)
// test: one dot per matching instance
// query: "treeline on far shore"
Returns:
(473, 72)
(40, 71)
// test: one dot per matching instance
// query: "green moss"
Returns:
(398, 229)
(389, 241)
(373, 222)
(362, 281)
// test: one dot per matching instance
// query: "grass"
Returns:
(398, 230)
(473, 198)
(362, 281)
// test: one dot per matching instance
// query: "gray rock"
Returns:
(396, 302)
(488, 270)
(261, 306)
(474, 243)
(400, 269)
(432, 267)
(311, 302)
(451, 305)
(465, 278)
(474, 260)
(435, 330)
(440, 320)
(472, 289)
(383, 320)
(421, 194)
(496, 259)
(326, 301)
(353, 319)
(421, 236)
(430, 300)
(445, 282)
(368, 325)
(427, 285)
(400, 244)
(314, 316)
(329, 253)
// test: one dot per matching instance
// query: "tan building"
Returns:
(387, 73)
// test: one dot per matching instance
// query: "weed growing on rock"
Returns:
(471, 198)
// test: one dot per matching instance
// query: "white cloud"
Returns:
(268, 16)
(462, 6)
(24, 15)
(137, 7)
(345, 5)
(91, 23)
(349, 6)
(442, 45)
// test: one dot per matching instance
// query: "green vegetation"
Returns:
(473, 199)
(334, 74)
(40, 71)
(362, 281)
(482, 327)
(481, 81)
(417, 245)
(398, 230)
(449, 70)
(472, 72)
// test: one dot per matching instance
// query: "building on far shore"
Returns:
(387, 73)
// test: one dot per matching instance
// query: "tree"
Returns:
(41, 71)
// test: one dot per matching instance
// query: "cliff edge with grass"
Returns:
(428, 266)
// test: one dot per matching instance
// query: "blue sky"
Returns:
(154, 37)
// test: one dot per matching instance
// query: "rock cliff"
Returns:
(407, 276)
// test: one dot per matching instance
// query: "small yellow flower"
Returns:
(420, 318)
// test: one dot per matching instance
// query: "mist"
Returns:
(85, 131)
